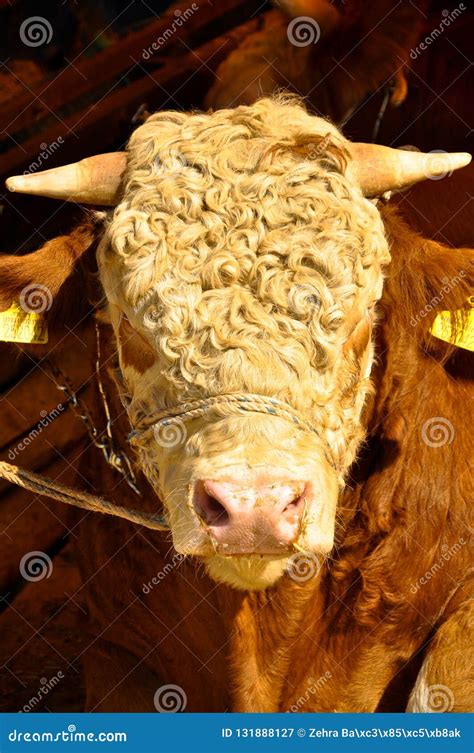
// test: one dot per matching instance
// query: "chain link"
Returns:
(103, 440)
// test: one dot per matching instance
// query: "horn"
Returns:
(380, 169)
(377, 169)
(95, 180)
(324, 12)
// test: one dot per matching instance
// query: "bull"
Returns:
(271, 318)
(334, 55)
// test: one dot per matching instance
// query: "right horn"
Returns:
(380, 169)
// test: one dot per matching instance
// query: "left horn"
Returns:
(95, 180)
(379, 169)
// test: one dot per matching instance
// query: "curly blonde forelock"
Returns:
(243, 230)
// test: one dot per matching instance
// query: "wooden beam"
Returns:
(89, 78)
(106, 123)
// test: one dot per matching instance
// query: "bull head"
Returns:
(242, 268)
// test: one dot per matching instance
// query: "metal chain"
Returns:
(103, 440)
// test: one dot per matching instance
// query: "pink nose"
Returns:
(257, 518)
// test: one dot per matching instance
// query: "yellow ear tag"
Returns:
(20, 326)
(464, 337)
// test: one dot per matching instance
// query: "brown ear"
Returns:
(426, 277)
(55, 281)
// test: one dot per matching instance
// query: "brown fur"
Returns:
(371, 44)
(62, 266)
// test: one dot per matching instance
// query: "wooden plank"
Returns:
(87, 75)
(27, 221)
(35, 398)
(29, 523)
(12, 365)
(51, 448)
(181, 82)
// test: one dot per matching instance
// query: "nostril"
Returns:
(294, 509)
(294, 503)
(215, 513)
(212, 512)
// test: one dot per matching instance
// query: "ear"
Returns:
(426, 278)
(50, 290)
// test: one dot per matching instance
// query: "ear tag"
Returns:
(20, 326)
(464, 336)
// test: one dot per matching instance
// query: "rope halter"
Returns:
(233, 403)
